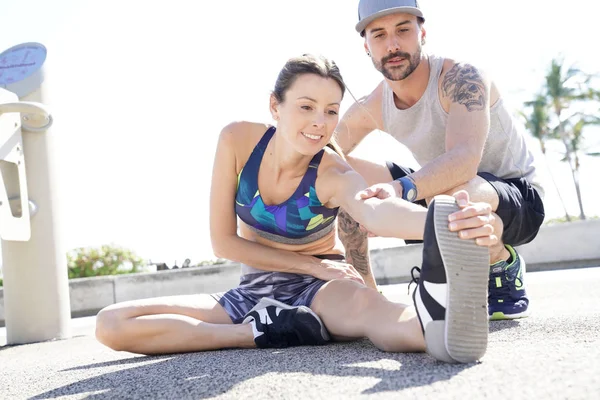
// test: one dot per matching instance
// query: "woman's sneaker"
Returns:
(451, 295)
(507, 296)
(276, 324)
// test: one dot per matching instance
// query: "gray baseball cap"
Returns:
(370, 10)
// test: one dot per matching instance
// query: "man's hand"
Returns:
(473, 221)
(330, 270)
(382, 191)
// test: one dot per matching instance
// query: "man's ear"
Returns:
(423, 36)
(367, 49)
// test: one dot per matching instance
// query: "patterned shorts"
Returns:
(291, 289)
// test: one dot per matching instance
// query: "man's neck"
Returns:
(408, 91)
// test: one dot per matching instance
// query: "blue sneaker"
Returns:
(507, 298)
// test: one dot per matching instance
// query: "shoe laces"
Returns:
(415, 279)
(502, 292)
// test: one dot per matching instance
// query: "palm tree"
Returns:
(563, 89)
(537, 123)
(575, 126)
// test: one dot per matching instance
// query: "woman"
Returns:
(285, 184)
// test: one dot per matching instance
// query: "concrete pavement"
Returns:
(554, 354)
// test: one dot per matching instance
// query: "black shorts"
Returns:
(520, 208)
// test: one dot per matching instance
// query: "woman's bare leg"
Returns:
(349, 309)
(173, 324)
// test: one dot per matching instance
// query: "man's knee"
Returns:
(479, 190)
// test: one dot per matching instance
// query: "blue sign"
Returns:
(20, 68)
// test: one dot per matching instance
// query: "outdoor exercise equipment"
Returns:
(36, 289)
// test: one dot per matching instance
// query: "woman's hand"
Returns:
(329, 270)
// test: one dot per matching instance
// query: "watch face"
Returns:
(411, 194)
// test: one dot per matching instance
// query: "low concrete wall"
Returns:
(89, 295)
(566, 245)
(571, 245)
(575, 244)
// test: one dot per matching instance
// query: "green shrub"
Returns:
(106, 260)
(218, 261)
(86, 262)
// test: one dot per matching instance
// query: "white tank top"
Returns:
(422, 128)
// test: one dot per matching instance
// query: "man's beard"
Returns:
(400, 72)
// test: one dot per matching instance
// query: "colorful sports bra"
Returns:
(299, 220)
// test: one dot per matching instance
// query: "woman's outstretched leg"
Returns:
(173, 324)
(450, 298)
(351, 310)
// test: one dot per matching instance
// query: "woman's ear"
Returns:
(274, 107)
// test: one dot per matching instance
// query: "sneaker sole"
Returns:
(466, 263)
(265, 302)
(500, 316)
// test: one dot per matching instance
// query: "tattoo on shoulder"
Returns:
(355, 242)
(463, 85)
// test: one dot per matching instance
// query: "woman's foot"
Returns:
(451, 295)
(276, 324)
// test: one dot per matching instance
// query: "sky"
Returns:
(141, 89)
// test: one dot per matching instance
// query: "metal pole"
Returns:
(36, 288)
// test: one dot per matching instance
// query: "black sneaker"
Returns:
(451, 295)
(276, 324)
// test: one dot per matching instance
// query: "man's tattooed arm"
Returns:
(356, 243)
(464, 85)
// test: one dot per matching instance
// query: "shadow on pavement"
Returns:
(208, 374)
(134, 360)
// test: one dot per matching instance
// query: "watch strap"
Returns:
(409, 189)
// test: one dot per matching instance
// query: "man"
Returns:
(454, 122)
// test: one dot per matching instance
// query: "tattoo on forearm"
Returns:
(463, 85)
(355, 242)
